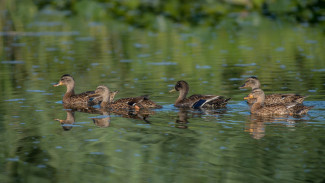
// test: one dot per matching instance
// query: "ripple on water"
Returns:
(318, 70)
(36, 91)
(245, 65)
(16, 99)
(162, 63)
(12, 62)
(203, 67)
(13, 159)
(91, 140)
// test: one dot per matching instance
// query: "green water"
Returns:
(166, 145)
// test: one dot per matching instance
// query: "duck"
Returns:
(196, 101)
(254, 83)
(70, 98)
(122, 103)
(261, 108)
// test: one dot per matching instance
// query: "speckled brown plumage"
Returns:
(254, 83)
(197, 100)
(261, 108)
(125, 103)
(70, 97)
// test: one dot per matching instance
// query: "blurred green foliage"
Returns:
(144, 13)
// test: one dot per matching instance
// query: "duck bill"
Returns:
(93, 95)
(248, 97)
(57, 84)
(171, 91)
(242, 86)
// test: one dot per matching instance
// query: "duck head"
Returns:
(66, 79)
(251, 82)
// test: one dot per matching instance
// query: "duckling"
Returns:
(123, 103)
(254, 83)
(197, 101)
(260, 108)
(70, 97)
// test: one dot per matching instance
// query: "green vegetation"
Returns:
(147, 13)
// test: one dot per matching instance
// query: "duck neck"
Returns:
(182, 95)
(105, 101)
(256, 85)
(69, 93)
(258, 104)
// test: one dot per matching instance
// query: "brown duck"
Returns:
(70, 97)
(254, 83)
(260, 108)
(197, 101)
(123, 103)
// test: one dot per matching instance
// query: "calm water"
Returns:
(167, 145)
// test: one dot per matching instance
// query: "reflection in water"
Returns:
(102, 121)
(183, 115)
(182, 118)
(142, 114)
(68, 122)
(256, 124)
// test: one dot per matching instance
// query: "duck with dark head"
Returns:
(197, 101)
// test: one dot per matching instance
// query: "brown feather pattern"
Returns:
(254, 83)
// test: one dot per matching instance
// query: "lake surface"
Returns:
(169, 144)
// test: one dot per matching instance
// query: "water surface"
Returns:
(165, 145)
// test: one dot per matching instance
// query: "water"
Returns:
(165, 145)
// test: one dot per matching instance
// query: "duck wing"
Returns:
(274, 109)
(147, 103)
(298, 109)
(82, 98)
(208, 101)
(283, 98)
(128, 103)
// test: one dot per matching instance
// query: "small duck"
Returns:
(123, 103)
(260, 108)
(254, 83)
(197, 101)
(70, 97)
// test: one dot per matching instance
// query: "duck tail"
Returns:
(304, 110)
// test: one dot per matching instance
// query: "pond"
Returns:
(162, 145)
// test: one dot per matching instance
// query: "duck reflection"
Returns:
(139, 114)
(184, 115)
(182, 120)
(257, 124)
(102, 121)
(67, 123)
